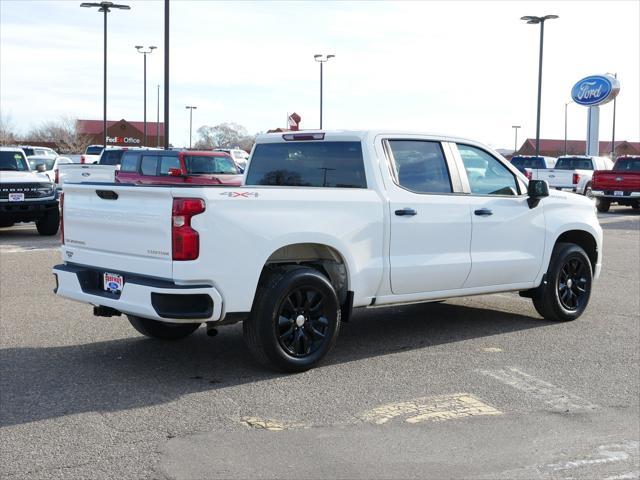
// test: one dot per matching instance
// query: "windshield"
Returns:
(47, 162)
(628, 165)
(93, 151)
(206, 164)
(111, 157)
(574, 164)
(13, 161)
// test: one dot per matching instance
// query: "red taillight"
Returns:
(528, 174)
(82, 158)
(576, 178)
(185, 240)
(62, 216)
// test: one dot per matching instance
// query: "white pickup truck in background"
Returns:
(572, 173)
(327, 222)
(91, 154)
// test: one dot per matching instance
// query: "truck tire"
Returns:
(294, 321)
(49, 224)
(588, 192)
(564, 295)
(162, 330)
(603, 204)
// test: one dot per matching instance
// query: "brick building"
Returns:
(555, 148)
(122, 132)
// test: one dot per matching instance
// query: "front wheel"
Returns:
(294, 321)
(603, 204)
(162, 330)
(49, 224)
(565, 293)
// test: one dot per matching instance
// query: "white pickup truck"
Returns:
(572, 173)
(327, 222)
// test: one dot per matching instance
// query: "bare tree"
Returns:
(224, 135)
(8, 134)
(63, 132)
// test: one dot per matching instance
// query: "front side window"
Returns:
(486, 174)
(149, 165)
(167, 162)
(308, 164)
(420, 166)
(111, 157)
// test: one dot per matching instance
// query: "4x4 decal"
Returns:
(240, 194)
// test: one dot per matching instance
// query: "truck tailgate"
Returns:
(120, 228)
(78, 172)
(613, 180)
(557, 178)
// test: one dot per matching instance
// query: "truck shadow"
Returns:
(51, 382)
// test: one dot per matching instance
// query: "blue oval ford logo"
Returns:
(595, 90)
(112, 286)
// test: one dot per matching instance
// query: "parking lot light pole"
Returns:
(515, 143)
(535, 20)
(321, 59)
(144, 52)
(191, 109)
(105, 8)
(158, 120)
(565, 125)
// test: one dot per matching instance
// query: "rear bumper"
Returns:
(143, 296)
(626, 195)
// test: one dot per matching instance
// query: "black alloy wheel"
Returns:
(573, 283)
(302, 323)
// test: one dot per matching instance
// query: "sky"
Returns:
(461, 68)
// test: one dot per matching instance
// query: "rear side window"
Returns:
(574, 164)
(111, 157)
(308, 164)
(420, 166)
(167, 162)
(130, 162)
(149, 165)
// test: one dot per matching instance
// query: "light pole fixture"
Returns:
(532, 21)
(191, 109)
(515, 143)
(144, 52)
(158, 120)
(322, 59)
(105, 7)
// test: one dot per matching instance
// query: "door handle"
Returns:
(406, 212)
(483, 212)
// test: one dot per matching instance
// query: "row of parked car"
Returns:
(31, 178)
(595, 177)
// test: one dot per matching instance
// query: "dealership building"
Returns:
(122, 132)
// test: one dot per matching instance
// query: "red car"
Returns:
(620, 185)
(175, 167)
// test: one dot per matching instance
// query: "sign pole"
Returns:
(593, 129)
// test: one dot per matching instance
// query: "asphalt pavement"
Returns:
(478, 387)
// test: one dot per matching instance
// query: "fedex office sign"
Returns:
(123, 140)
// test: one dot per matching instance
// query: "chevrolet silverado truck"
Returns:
(620, 185)
(326, 222)
(26, 195)
(572, 173)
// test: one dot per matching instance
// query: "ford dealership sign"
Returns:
(595, 90)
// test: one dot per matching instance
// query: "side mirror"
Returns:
(41, 168)
(537, 190)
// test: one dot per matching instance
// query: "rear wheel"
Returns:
(603, 204)
(588, 192)
(294, 321)
(162, 330)
(49, 224)
(565, 294)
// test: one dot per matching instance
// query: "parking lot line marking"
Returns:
(550, 394)
(491, 349)
(435, 408)
(27, 250)
(619, 452)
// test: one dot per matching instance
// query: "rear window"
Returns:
(308, 164)
(527, 162)
(206, 164)
(94, 150)
(111, 157)
(574, 164)
(628, 165)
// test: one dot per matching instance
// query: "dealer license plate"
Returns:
(16, 197)
(618, 193)
(113, 282)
